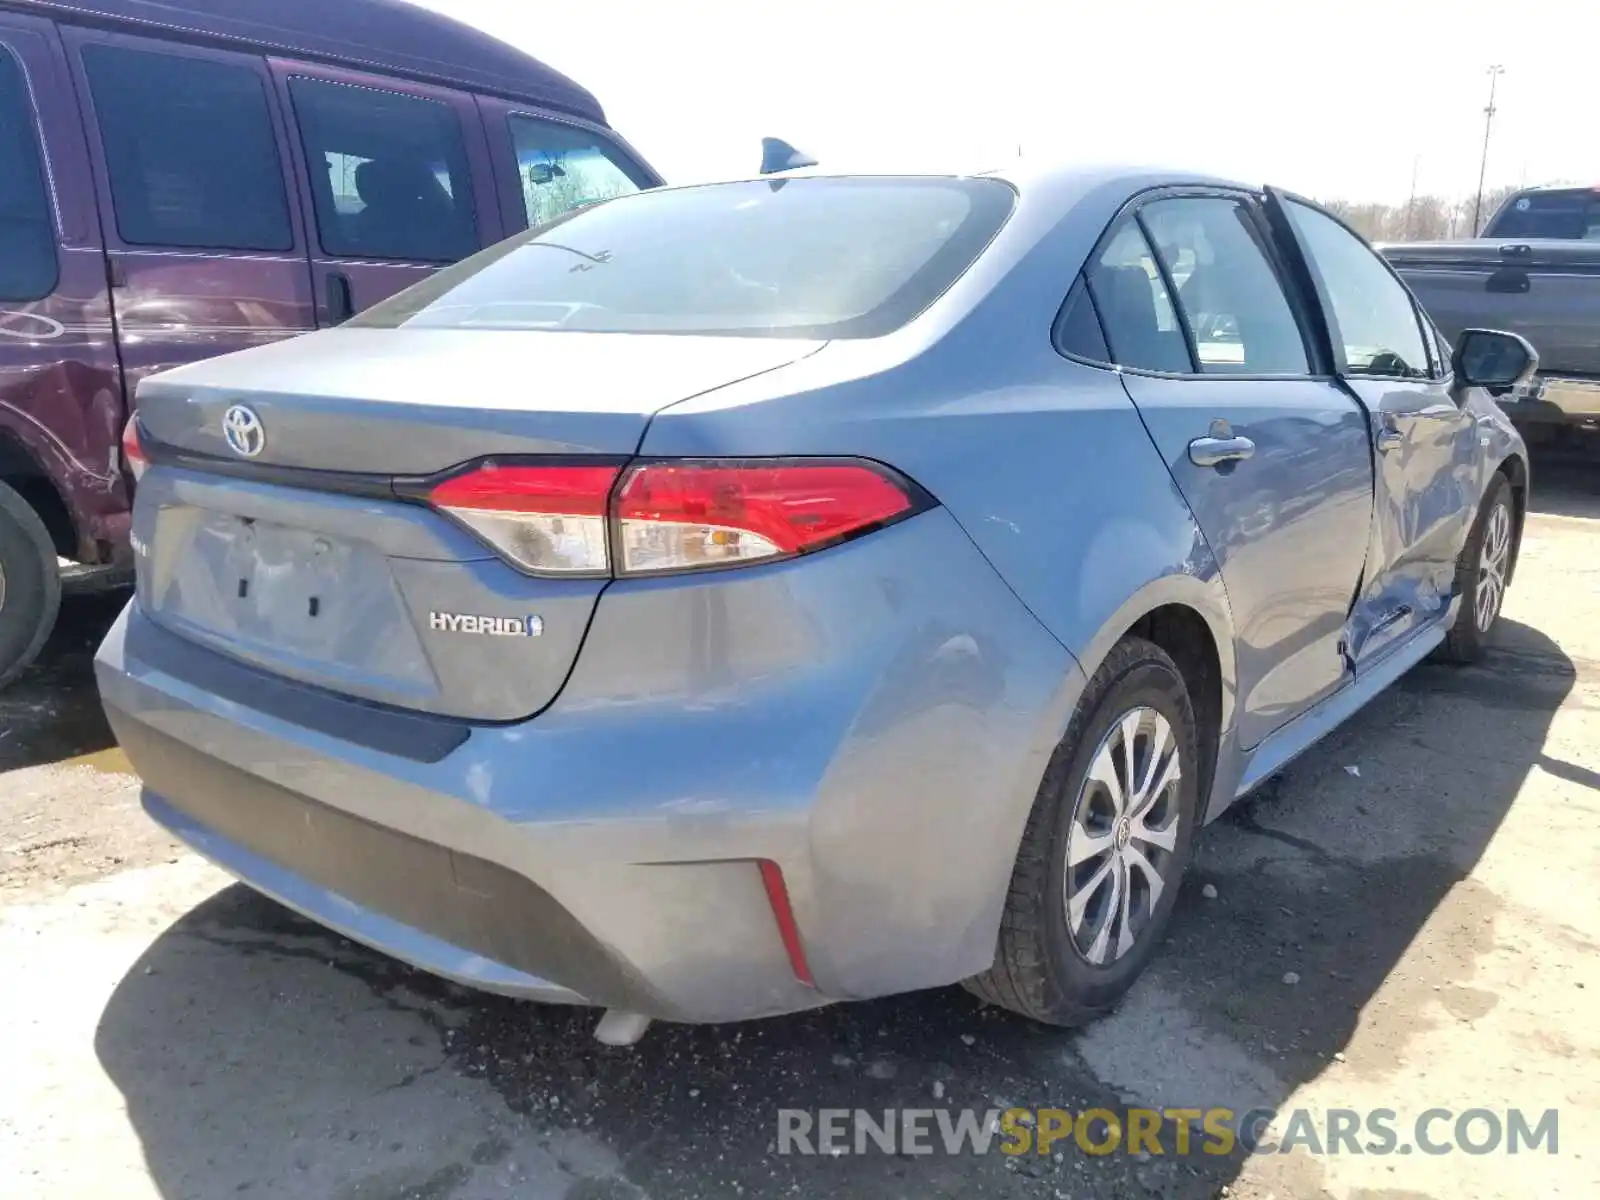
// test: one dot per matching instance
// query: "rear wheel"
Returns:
(30, 584)
(1105, 847)
(1482, 573)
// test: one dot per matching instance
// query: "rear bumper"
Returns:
(1558, 400)
(874, 720)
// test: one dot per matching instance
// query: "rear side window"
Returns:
(562, 167)
(1376, 325)
(1078, 331)
(1141, 325)
(1237, 314)
(190, 151)
(812, 257)
(27, 235)
(389, 176)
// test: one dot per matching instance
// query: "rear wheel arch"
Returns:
(23, 474)
(1188, 618)
(1189, 640)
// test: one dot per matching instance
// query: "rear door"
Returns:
(1270, 453)
(397, 182)
(1429, 465)
(545, 166)
(60, 388)
(205, 250)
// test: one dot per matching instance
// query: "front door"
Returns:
(546, 165)
(205, 250)
(1270, 453)
(1425, 445)
(398, 182)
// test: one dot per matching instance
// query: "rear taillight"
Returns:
(672, 515)
(132, 452)
(544, 519)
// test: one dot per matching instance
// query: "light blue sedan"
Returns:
(732, 599)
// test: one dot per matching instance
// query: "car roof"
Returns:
(1061, 179)
(388, 36)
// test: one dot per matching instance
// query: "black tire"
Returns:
(1039, 971)
(1469, 636)
(30, 584)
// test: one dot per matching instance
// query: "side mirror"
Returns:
(1487, 358)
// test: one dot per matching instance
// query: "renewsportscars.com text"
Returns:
(1165, 1131)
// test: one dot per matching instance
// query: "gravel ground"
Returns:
(1407, 919)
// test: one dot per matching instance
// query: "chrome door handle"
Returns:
(1214, 451)
(1390, 439)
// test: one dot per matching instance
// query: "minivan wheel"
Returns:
(1105, 846)
(30, 584)
(1482, 574)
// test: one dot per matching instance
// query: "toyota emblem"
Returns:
(246, 435)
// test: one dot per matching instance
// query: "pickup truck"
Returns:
(1535, 270)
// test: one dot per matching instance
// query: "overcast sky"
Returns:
(1338, 100)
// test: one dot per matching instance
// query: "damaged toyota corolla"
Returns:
(732, 599)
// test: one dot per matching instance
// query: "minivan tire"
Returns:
(30, 584)
(1038, 969)
(1469, 636)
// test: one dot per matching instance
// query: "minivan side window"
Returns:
(562, 167)
(27, 234)
(1375, 323)
(1140, 323)
(1232, 302)
(389, 174)
(190, 151)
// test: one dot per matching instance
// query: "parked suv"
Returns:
(181, 179)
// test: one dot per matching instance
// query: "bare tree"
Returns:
(1423, 218)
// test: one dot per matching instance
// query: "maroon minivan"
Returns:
(182, 178)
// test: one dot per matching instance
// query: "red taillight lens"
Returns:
(670, 516)
(673, 516)
(132, 452)
(545, 519)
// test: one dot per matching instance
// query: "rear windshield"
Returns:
(806, 258)
(1571, 214)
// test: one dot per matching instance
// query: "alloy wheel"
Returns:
(1124, 831)
(1493, 560)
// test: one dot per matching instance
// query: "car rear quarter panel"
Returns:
(1051, 473)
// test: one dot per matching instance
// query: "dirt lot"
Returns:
(1429, 880)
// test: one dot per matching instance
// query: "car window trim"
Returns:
(1320, 365)
(1329, 319)
(33, 124)
(1173, 301)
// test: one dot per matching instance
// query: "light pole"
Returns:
(1483, 163)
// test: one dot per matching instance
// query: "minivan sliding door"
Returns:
(397, 177)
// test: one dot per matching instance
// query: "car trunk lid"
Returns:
(305, 559)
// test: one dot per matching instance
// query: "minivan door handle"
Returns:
(1214, 451)
(340, 304)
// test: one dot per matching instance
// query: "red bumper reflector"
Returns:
(778, 898)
